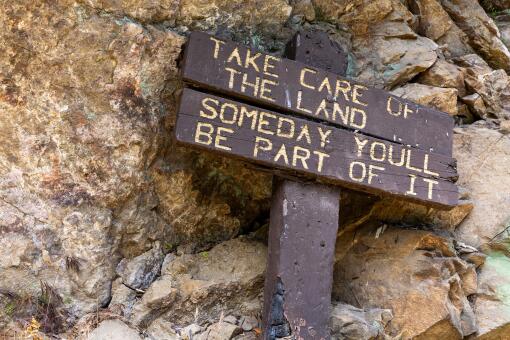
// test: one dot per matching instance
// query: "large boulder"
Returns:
(351, 323)
(113, 330)
(416, 274)
(206, 14)
(483, 33)
(444, 74)
(503, 23)
(89, 172)
(387, 51)
(492, 303)
(213, 281)
(483, 163)
(435, 23)
(442, 99)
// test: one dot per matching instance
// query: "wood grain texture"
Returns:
(302, 235)
(303, 229)
(293, 87)
(327, 153)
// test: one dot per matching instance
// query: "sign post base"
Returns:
(303, 230)
(299, 276)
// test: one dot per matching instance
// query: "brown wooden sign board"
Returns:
(293, 87)
(329, 153)
(353, 136)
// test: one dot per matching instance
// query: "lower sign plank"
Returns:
(331, 154)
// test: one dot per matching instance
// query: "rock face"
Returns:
(213, 281)
(443, 99)
(113, 330)
(492, 304)
(348, 322)
(80, 185)
(103, 216)
(479, 151)
(388, 52)
(388, 268)
(482, 32)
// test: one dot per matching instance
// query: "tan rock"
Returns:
(387, 51)
(196, 214)
(414, 273)
(113, 330)
(206, 14)
(348, 322)
(504, 127)
(444, 74)
(474, 62)
(220, 331)
(304, 8)
(161, 329)
(142, 10)
(442, 99)
(492, 304)
(393, 61)
(434, 22)
(481, 30)
(476, 105)
(160, 295)
(494, 89)
(358, 14)
(214, 281)
(503, 22)
(455, 43)
(482, 156)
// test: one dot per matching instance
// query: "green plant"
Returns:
(10, 308)
(168, 247)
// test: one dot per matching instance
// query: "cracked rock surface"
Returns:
(106, 224)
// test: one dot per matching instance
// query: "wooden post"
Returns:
(303, 230)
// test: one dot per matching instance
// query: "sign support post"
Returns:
(302, 231)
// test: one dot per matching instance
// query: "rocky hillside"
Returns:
(108, 227)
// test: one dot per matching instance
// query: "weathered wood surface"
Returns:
(331, 154)
(303, 229)
(301, 248)
(291, 86)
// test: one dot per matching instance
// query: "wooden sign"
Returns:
(293, 87)
(316, 149)
(307, 120)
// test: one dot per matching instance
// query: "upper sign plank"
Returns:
(330, 153)
(291, 86)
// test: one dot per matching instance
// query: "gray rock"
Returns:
(113, 330)
(348, 322)
(122, 297)
(220, 331)
(140, 272)
(503, 23)
(159, 296)
(483, 158)
(492, 301)
(191, 330)
(161, 329)
(230, 319)
(248, 323)
(215, 282)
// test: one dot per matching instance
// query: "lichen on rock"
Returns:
(104, 216)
